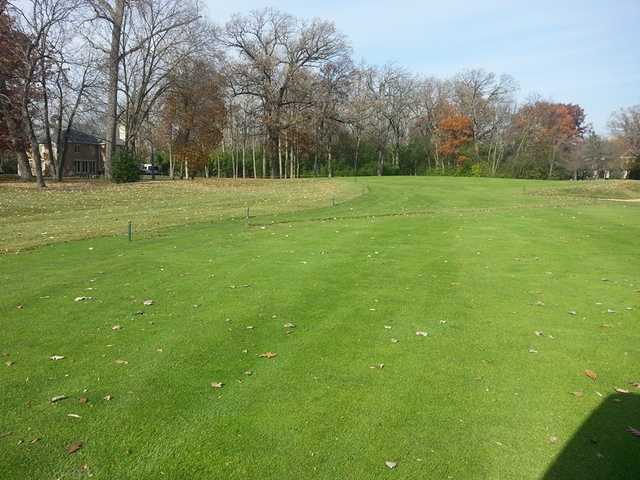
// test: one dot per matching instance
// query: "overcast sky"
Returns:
(585, 52)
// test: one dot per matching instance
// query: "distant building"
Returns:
(84, 155)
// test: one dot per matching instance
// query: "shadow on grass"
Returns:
(602, 448)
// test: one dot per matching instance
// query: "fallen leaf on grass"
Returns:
(82, 299)
(377, 365)
(268, 355)
(394, 340)
(621, 390)
(390, 464)
(591, 374)
(35, 440)
(58, 398)
(83, 400)
(635, 384)
(578, 393)
(633, 431)
(9, 363)
(572, 312)
(421, 334)
(122, 362)
(56, 357)
(147, 303)
(553, 439)
(19, 307)
(539, 333)
(532, 350)
(74, 447)
(108, 397)
(289, 325)
(248, 373)
(116, 328)
(387, 327)
(73, 415)
(216, 384)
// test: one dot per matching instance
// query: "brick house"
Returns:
(84, 155)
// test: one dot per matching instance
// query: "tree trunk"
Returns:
(380, 163)
(112, 92)
(171, 167)
(279, 158)
(33, 142)
(186, 169)
(355, 156)
(253, 156)
(244, 167)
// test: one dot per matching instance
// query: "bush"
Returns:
(124, 168)
(634, 170)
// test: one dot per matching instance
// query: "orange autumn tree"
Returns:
(456, 132)
(193, 114)
(549, 130)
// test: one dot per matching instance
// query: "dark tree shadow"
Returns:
(602, 448)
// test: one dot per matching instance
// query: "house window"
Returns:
(76, 148)
(85, 167)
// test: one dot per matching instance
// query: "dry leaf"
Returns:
(216, 384)
(116, 327)
(390, 464)
(147, 302)
(9, 363)
(108, 397)
(122, 362)
(82, 299)
(83, 400)
(532, 350)
(268, 355)
(56, 357)
(289, 325)
(73, 415)
(578, 393)
(539, 333)
(58, 398)
(248, 372)
(553, 439)
(634, 431)
(35, 440)
(591, 374)
(19, 307)
(635, 384)
(394, 340)
(74, 447)
(421, 334)
(572, 312)
(377, 365)
(621, 390)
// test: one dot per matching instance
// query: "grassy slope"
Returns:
(76, 210)
(469, 401)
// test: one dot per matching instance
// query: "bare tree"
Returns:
(271, 50)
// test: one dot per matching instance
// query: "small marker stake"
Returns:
(247, 213)
(130, 231)
(333, 201)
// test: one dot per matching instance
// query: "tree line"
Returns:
(271, 95)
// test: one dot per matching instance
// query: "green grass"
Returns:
(479, 264)
(75, 210)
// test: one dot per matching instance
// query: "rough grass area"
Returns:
(84, 209)
(601, 189)
(519, 296)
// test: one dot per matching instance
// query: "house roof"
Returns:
(81, 138)
(78, 137)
